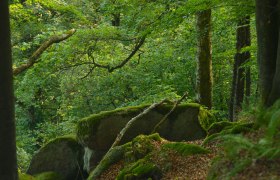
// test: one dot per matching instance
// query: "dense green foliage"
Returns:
(76, 77)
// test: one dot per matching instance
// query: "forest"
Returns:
(139, 89)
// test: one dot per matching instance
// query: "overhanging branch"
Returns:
(33, 59)
(111, 69)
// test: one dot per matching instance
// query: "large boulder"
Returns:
(98, 132)
(62, 155)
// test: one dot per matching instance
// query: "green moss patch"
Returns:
(219, 126)
(87, 127)
(48, 176)
(113, 156)
(63, 155)
(206, 118)
(224, 127)
(142, 169)
(23, 176)
(185, 149)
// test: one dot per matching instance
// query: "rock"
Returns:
(99, 131)
(62, 155)
(131, 152)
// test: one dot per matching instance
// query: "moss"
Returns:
(138, 148)
(48, 176)
(113, 156)
(206, 118)
(61, 155)
(185, 149)
(165, 108)
(88, 126)
(142, 145)
(23, 176)
(70, 139)
(142, 169)
(222, 128)
(218, 127)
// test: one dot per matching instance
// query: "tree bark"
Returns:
(8, 164)
(267, 12)
(204, 56)
(239, 72)
(275, 91)
(35, 56)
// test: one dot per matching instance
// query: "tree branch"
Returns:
(171, 111)
(33, 59)
(111, 69)
(131, 121)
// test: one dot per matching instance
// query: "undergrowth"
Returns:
(241, 151)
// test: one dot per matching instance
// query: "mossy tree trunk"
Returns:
(241, 75)
(267, 19)
(204, 59)
(8, 165)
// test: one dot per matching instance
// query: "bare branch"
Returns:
(35, 56)
(111, 69)
(168, 114)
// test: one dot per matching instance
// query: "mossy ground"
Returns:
(185, 149)
(41, 176)
(149, 157)
(48, 176)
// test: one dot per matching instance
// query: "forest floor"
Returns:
(196, 167)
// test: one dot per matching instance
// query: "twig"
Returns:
(131, 121)
(173, 108)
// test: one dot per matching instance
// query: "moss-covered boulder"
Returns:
(131, 152)
(99, 131)
(63, 156)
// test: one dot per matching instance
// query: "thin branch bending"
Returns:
(170, 112)
(111, 69)
(35, 56)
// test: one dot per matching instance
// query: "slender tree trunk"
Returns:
(248, 85)
(267, 32)
(204, 56)
(232, 94)
(275, 91)
(8, 165)
(239, 72)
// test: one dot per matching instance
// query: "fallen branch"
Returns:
(131, 121)
(102, 165)
(33, 59)
(166, 116)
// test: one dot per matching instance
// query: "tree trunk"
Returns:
(8, 165)
(267, 13)
(232, 95)
(248, 85)
(239, 72)
(204, 69)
